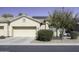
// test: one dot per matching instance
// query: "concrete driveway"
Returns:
(16, 41)
(32, 41)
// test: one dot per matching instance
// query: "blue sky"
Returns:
(34, 11)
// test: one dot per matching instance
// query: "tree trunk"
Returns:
(45, 26)
(56, 33)
(62, 33)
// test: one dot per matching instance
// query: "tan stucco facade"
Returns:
(21, 26)
(3, 29)
(23, 22)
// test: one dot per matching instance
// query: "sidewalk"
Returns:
(32, 41)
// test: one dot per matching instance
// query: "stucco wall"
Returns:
(21, 22)
(5, 30)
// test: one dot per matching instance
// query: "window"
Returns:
(1, 27)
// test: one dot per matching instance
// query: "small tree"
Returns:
(63, 20)
(44, 22)
(70, 21)
(54, 21)
(20, 14)
(7, 15)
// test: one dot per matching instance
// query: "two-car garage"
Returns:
(24, 26)
(24, 31)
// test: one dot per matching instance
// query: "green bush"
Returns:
(44, 35)
(2, 37)
(74, 34)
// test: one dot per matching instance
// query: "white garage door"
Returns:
(24, 31)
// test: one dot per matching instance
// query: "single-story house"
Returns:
(21, 26)
(24, 26)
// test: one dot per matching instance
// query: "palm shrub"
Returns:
(44, 35)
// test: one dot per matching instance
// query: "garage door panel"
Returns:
(24, 32)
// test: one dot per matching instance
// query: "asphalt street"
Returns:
(24, 45)
(37, 48)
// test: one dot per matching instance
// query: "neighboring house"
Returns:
(21, 26)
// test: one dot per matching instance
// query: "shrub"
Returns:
(2, 37)
(73, 34)
(44, 35)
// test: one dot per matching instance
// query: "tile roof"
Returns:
(3, 19)
(10, 19)
(39, 17)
